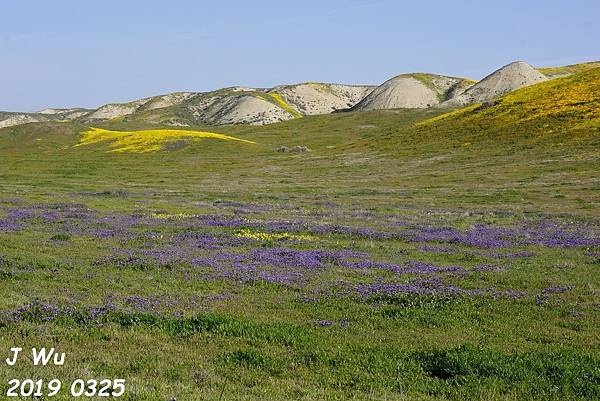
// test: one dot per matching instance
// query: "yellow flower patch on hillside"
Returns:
(569, 69)
(570, 102)
(449, 114)
(284, 105)
(145, 141)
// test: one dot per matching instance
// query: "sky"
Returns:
(74, 53)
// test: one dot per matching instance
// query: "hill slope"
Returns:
(8, 119)
(259, 106)
(508, 78)
(537, 139)
(568, 103)
(315, 98)
(237, 105)
(412, 91)
(556, 72)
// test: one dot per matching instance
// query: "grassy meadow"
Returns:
(409, 255)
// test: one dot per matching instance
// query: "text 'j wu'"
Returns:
(41, 357)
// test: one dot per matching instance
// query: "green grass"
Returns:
(532, 156)
(553, 72)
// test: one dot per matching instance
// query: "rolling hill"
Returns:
(439, 156)
(255, 106)
(560, 105)
(413, 91)
(508, 78)
(236, 105)
(571, 96)
(555, 72)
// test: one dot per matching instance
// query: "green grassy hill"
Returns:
(554, 72)
(565, 104)
(490, 156)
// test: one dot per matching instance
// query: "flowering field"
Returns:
(359, 300)
(396, 260)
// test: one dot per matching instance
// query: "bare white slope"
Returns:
(238, 109)
(55, 112)
(171, 99)
(317, 98)
(114, 110)
(414, 91)
(507, 79)
(11, 119)
(404, 92)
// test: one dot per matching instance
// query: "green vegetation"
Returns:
(426, 79)
(326, 88)
(568, 69)
(569, 103)
(92, 255)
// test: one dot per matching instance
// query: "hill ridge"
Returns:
(259, 106)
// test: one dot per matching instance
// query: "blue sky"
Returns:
(87, 53)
